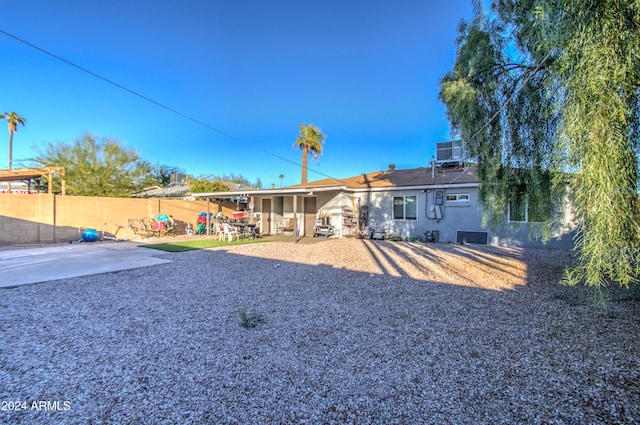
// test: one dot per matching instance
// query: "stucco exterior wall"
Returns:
(457, 217)
(458, 214)
(454, 215)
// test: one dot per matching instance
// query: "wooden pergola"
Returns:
(33, 173)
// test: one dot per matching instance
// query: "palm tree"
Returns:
(281, 176)
(13, 120)
(310, 140)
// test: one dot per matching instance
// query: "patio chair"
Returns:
(285, 226)
(218, 229)
(139, 228)
(229, 231)
(151, 226)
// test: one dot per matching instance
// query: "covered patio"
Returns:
(28, 174)
(290, 211)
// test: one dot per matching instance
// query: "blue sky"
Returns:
(366, 72)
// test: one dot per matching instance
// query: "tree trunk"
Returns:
(10, 159)
(10, 149)
(305, 157)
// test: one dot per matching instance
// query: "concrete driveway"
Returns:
(23, 265)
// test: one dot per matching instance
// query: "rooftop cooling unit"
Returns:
(449, 153)
(176, 179)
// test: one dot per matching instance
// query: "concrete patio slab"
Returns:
(26, 265)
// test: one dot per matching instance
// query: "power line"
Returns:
(159, 104)
(232, 137)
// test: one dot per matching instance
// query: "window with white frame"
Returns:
(405, 207)
(457, 198)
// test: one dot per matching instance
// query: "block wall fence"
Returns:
(48, 218)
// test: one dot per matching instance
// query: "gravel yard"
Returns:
(346, 331)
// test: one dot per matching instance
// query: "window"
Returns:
(405, 207)
(458, 197)
(520, 210)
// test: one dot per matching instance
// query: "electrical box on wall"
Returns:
(439, 200)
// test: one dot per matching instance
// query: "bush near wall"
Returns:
(47, 218)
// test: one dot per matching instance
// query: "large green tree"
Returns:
(546, 93)
(213, 183)
(161, 173)
(96, 167)
(207, 183)
(310, 140)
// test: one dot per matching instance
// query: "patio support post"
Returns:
(208, 223)
(252, 206)
(295, 215)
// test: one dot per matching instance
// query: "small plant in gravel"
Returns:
(251, 319)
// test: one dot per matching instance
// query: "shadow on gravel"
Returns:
(333, 344)
(488, 267)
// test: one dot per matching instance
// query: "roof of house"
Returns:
(397, 178)
(412, 177)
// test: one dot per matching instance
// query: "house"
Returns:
(439, 203)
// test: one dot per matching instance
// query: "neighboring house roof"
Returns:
(380, 180)
(400, 178)
(164, 192)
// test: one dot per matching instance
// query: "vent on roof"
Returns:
(449, 153)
